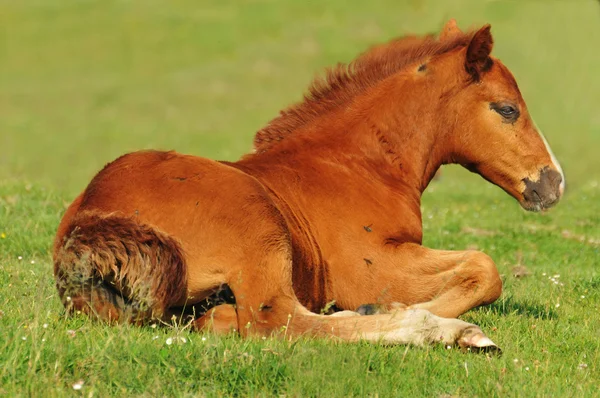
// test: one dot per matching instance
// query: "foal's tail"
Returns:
(116, 269)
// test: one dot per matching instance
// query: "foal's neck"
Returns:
(393, 131)
(397, 127)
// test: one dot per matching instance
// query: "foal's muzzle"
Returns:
(543, 193)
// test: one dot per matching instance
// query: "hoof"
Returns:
(369, 309)
(473, 340)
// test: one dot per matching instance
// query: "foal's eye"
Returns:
(508, 111)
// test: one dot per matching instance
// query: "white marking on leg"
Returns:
(483, 342)
(345, 313)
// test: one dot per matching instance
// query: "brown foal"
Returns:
(326, 210)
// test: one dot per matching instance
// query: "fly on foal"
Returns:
(326, 209)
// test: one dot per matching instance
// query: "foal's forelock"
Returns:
(342, 83)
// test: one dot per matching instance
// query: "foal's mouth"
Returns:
(539, 204)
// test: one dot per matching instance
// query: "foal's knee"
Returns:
(489, 284)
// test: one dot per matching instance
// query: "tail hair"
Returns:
(115, 268)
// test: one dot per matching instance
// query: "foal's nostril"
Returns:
(555, 178)
(559, 182)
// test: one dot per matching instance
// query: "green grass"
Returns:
(82, 82)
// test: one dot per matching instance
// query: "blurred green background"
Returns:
(82, 82)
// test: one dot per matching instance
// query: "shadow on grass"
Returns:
(510, 306)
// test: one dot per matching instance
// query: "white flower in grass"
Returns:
(24, 338)
(32, 261)
(582, 296)
(169, 341)
(557, 305)
(203, 338)
(78, 385)
(155, 337)
(45, 326)
(582, 366)
(20, 257)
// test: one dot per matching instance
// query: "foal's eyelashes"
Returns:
(509, 111)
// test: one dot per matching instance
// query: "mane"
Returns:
(343, 82)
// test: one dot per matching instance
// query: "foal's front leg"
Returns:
(446, 283)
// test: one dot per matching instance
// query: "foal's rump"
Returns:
(155, 230)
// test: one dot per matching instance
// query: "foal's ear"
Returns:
(478, 53)
(450, 30)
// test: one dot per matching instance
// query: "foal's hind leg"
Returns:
(447, 283)
(220, 319)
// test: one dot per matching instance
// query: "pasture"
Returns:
(83, 81)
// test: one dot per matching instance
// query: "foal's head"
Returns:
(489, 129)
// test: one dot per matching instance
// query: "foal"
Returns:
(327, 208)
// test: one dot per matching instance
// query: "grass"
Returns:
(82, 82)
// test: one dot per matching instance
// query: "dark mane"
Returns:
(343, 82)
